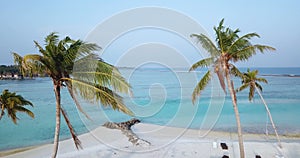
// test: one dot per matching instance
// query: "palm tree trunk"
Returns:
(72, 131)
(57, 128)
(270, 116)
(236, 111)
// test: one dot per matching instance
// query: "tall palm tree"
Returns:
(250, 80)
(13, 103)
(92, 78)
(229, 48)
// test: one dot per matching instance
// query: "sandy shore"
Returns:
(165, 142)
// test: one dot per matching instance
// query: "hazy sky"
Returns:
(276, 21)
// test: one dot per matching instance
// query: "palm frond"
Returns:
(225, 37)
(219, 37)
(228, 37)
(96, 93)
(202, 63)
(52, 38)
(21, 101)
(240, 42)
(88, 48)
(79, 49)
(22, 66)
(207, 44)
(102, 73)
(242, 87)
(41, 49)
(18, 59)
(33, 57)
(79, 107)
(259, 86)
(13, 103)
(262, 80)
(37, 64)
(12, 115)
(235, 71)
(200, 86)
(116, 80)
(22, 109)
(247, 52)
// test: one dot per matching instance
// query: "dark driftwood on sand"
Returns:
(125, 127)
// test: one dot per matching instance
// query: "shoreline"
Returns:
(161, 137)
(285, 137)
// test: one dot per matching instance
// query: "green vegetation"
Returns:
(13, 103)
(229, 48)
(8, 70)
(250, 80)
(23, 66)
(19, 61)
(72, 64)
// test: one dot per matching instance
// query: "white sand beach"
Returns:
(166, 142)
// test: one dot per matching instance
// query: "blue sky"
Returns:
(276, 21)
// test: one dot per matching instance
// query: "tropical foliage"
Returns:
(25, 69)
(13, 103)
(19, 61)
(73, 64)
(251, 81)
(229, 48)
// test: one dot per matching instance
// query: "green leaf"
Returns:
(96, 93)
(200, 86)
(207, 44)
(13, 103)
(202, 63)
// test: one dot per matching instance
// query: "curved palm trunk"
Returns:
(236, 111)
(57, 128)
(72, 131)
(270, 116)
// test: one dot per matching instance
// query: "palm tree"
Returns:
(26, 68)
(229, 48)
(250, 80)
(19, 61)
(93, 79)
(13, 103)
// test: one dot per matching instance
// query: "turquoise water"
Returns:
(160, 96)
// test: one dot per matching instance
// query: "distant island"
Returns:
(12, 72)
(281, 75)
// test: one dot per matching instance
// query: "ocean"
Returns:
(161, 96)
